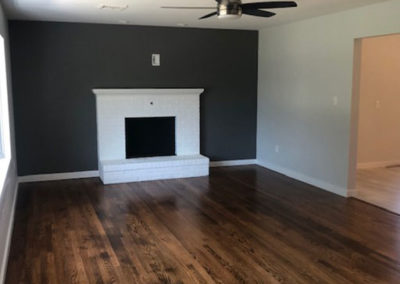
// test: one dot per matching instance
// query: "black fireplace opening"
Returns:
(149, 136)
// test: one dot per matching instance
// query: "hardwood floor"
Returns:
(380, 186)
(241, 225)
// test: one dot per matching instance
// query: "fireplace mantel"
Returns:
(113, 92)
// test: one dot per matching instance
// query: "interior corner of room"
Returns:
(243, 127)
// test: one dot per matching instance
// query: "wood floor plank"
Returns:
(258, 235)
(239, 225)
(379, 186)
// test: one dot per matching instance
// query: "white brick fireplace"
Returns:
(114, 105)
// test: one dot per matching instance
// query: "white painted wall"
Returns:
(379, 107)
(8, 190)
(303, 66)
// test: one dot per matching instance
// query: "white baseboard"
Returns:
(90, 174)
(58, 176)
(9, 229)
(290, 173)
(306, 179)
(379, 164)
(233, 163)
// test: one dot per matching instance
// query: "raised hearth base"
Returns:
(154, 168)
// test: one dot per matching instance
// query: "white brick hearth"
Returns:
(114, 105)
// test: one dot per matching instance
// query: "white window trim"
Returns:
(5, 142)
(1, 143)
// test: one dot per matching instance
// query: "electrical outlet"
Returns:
(277, 148)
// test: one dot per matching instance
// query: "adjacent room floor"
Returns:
(380, 186)
(240, 225)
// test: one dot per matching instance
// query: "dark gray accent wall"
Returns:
(56, 65)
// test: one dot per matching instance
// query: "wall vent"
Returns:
(113, 7)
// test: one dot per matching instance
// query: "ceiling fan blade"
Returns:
(269, 5)
(208, 15)
(258, 13)
(175, 7)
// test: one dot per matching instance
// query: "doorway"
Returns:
(376, 153)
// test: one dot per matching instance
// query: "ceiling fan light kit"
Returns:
(233, 9)
(229, 10)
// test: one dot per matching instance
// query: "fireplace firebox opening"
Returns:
(149, 136)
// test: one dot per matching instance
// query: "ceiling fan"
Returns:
(234, 8)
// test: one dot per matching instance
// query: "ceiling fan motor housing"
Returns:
(229, 9)
(233, 9)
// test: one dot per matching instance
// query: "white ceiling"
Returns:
(148, 12)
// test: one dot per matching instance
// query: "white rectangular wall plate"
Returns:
(155, 60)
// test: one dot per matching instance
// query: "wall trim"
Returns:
(304, 178)
(58, 176)
(379, 164)
(10, 229)
(90, 174)
(230, 163)
(287, 172)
